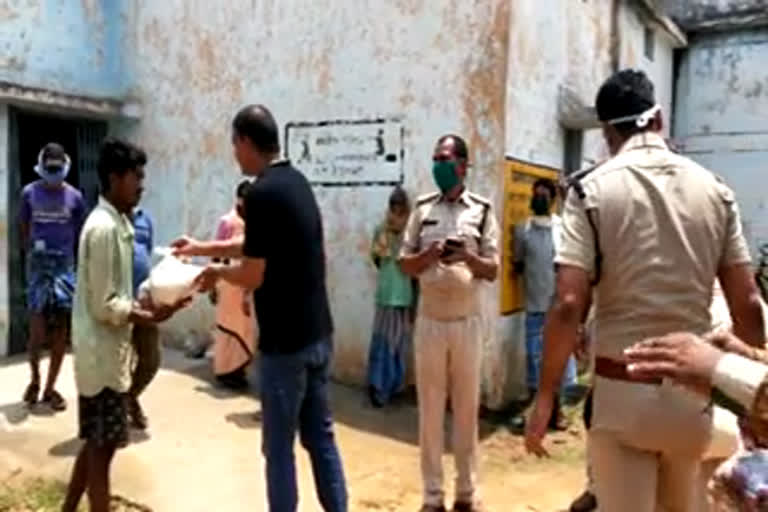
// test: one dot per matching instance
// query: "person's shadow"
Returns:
(68, 448)
(245, 420)
(71, 447)
(222, 393)
(17, 413)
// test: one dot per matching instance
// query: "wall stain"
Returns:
(206, 56)
(322, 72)
(9, 10)
(409, 7)
(196, 64)
(211, 143)
(484, 99)
(92, 10)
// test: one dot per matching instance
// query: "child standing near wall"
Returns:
(393, 322)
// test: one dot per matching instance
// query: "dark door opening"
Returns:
(28, 133)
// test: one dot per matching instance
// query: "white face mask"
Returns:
(641, 120)
(54, 177)
(53, 174)
(542, 221)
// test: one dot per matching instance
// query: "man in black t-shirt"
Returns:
(282, 258)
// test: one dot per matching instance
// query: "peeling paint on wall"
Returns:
(72, 47)
(722, 120)
(488, 70)
(483, 70)
(197, 63)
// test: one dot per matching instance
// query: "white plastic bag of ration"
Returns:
(172, 280)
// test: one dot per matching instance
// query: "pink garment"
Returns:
(235, 336)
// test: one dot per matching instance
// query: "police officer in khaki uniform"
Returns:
(650, 230)
(725, 430)
(736, 376)
(450, 244)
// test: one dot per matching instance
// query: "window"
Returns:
(650, 43)
(573, 150)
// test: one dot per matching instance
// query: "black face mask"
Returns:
(540, 205)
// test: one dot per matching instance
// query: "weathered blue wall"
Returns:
(722, 117)
(69, 46)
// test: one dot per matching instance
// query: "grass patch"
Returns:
(42, 495)
(35, 495)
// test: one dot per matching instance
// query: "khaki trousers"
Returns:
(448, 358)
(628, 479)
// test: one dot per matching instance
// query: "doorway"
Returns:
(28, 133)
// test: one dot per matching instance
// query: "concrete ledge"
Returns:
(665, 23)
(574, 111)
(717, 15)
(34, 98)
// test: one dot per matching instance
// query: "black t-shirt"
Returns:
(284, 227)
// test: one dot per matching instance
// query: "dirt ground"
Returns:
(510, 480)
(203, 450)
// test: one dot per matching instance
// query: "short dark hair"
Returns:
(242, 189)
(54, 151)
(628, 92)
(255, 122)
(460, 149)
(398, 197)
(118, 157)
(546, 183)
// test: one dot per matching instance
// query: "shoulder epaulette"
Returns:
(574, 182)
(583, 173)
(480, 199)
(427, 198)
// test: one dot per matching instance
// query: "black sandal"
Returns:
(55, 401)
(32, 394)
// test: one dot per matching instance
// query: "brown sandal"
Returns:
(32, 393)
(55, 401)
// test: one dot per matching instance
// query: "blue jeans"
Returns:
(294, 397)
(534, 351)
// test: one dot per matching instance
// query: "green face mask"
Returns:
(445, 175)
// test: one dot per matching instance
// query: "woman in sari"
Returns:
(234, 337)
(393, 322)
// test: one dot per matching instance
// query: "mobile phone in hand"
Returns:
(451, 246)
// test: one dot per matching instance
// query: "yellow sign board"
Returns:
(518, 182)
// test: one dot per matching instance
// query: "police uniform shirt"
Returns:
(665, 227)
(450, 292)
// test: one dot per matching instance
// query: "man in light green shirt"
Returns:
(103, 316)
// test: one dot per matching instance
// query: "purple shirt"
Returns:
(54, 216)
